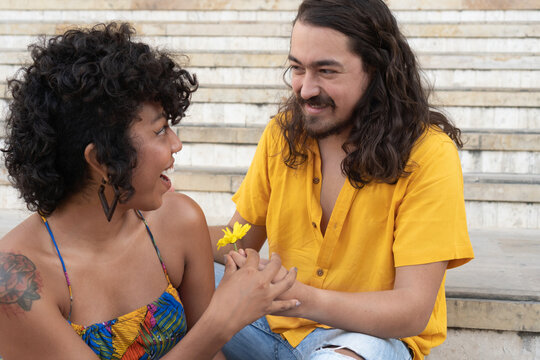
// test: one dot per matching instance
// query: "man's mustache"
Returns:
(316, 101)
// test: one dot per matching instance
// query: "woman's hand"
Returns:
(239, 258)
(297, 292)
(247, 293)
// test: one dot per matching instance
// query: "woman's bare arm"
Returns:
(31, 323)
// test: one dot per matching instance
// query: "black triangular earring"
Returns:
(108, 209)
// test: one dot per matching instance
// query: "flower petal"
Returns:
(231, 237)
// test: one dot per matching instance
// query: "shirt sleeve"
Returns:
(430, 224)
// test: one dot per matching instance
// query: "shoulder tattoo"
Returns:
(19, 281)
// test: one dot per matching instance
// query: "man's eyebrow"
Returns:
(292, 58)
(318, 63)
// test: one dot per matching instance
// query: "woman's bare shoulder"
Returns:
(180, 230)
(25, 254)
(23, 236)
(178, 223)
(179, 212)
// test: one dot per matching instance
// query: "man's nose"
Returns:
(310, 87)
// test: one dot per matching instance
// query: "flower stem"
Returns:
(235, 247)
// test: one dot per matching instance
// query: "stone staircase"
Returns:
(483, 59)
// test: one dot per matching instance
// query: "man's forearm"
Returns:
(254, 238)
(401, 312)
(385, 314)
(216, 233)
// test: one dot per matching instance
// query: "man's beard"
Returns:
(321, 100)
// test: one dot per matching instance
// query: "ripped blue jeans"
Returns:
(257, 341)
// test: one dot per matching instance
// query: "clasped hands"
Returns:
(292, 293)
(251, 287)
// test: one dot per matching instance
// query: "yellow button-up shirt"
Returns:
(419, 220)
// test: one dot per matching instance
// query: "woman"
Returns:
(110, 256)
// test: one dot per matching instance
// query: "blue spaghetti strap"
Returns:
(63, 266)
(140, 215)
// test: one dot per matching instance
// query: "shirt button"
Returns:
(314, 225)
(320, 272)
(316, 180)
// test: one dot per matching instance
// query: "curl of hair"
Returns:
(394, 110)
(85, 86)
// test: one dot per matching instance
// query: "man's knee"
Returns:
(349, 353)
(331, 352)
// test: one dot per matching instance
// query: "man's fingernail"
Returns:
(297, 303)
(295, 269)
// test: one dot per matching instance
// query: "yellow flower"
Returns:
(231, 237)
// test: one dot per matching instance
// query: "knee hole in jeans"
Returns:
(342, 351)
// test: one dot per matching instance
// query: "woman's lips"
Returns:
(166, 180)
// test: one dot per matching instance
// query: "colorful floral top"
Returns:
(146, 333)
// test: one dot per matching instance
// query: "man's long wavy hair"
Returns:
(394, 110)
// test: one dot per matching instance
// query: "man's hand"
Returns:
(239, 258)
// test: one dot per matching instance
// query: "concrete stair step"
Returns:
(473, 45)
(441, 97)
(493, 302)
(261, 43)
(509, 140)
(474, 98)
(479, 80)
(152, 5)
(513, 162)
(218, 206)
(472, 344)
(492, 200)
(495, 117)
(448, 16)
(484, 161)
(478, 186)
(483, 152)
(86, 16)
(456, 61)
(466, 118)
(502, 61)
(460, 4)
(257, 5)
(282, 29)
(502, 187)
(488, 276)
(419, 16)
(470, 79)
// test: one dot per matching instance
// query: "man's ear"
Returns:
(90, 155)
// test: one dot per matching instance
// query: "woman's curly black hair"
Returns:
(85, 86)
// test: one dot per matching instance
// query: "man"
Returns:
(358, 184)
